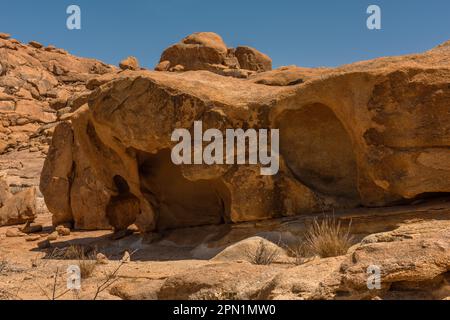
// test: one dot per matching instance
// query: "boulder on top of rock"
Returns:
(199, 51)
(252, 59)
(207, 39)
(207, 51)
(35, 44)
(163, 66)
(31, 227)
(130, 63)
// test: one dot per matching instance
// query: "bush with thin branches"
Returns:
(263, 254)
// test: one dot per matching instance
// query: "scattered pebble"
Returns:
(14, 232)
(62, 230)
(102, 259)
(33, 238)
(31, 227)
(53, 236)
(126, 257)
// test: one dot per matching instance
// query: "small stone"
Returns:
(14, 232)
(53, 236)
(61, 51)
(5, 36)
(163, 66)
(130, 63)
(102, 259)
(50, 48)
(126, 257)
(31, 227)
(177, 68)
(62, 230)
(33, 238)
(133, 228)
(35, 44)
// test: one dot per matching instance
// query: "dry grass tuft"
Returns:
(87, 267)
(263, 255)
(74, 252)
(86, 261)
(326, 238)
(300, 253)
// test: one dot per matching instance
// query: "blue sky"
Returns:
(306, 33)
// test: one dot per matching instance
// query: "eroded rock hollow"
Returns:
(373, 133)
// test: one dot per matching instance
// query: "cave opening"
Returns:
(318, 150)
(177, 201)
(122, 208)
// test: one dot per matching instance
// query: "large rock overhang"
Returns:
(347, 139)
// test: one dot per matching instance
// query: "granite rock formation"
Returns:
(373, 133)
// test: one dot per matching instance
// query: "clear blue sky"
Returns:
(306, 33)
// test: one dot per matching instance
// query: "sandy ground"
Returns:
(28, 272)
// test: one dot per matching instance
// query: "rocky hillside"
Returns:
(38, 85)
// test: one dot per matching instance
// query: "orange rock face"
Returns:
(373, 133)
